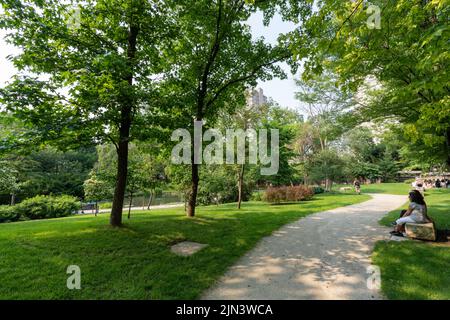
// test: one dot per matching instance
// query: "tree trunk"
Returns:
(327, 184)
(13, 199)
(150, 200)
(194, 189)
(196, 150)
(240, 185)
(124, 134)
(96, 208)
(121, 183)
(129, 205)
(447, 141)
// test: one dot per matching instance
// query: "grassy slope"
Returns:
(135, 262)
(417, 270)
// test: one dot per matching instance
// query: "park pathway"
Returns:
(325, 255)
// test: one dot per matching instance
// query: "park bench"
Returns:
(422, 231)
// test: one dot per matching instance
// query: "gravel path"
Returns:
(322, 256)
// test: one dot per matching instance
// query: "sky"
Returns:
(282, 91)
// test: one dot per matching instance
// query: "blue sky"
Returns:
(282, 91)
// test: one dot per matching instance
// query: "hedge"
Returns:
(40, 207)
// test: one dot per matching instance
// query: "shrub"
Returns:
(105, 205)
(318, 190)
(45, 207)
(9, 214)
(288, 194)
(409, 181)
(257, 196)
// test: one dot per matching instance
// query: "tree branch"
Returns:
(243, 78)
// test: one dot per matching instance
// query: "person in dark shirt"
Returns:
(437, 184)
(357, 186)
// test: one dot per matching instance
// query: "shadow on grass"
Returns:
(442, 235)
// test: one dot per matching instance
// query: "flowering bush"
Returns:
(288, 194)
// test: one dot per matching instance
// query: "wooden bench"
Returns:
(422, 231)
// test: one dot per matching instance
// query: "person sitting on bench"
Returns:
(416, 213)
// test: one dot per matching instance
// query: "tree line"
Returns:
(124, 71)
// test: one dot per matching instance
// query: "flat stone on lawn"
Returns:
(396, 238)
(187, 248)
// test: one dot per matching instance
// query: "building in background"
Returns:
(256, 97)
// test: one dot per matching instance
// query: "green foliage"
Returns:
(368, 159)
(146, 171)
(8, 178)
(49, 171)
(399, 70)
(287, 123)
(110, 63)
(318, 190)
(96, 189)
(105, 205)
(90, 59)
(216, 58)
(218, 184)
(257, 196)
(9, 214)
(46, 207)
(325, 165)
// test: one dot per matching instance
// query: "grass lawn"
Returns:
(413, 269)
(389, 188)
(135, 262)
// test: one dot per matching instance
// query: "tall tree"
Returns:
(8, 180)
(397, 48)
(248, 116)
(91, 72)
(215, 60)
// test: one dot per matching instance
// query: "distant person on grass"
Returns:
(357, 186)
(416, 213)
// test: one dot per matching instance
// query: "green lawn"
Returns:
(390, 188)
(413, 269)
(135, 262)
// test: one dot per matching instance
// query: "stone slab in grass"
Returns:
(422, 231)
(187, 248)
(396, 238)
